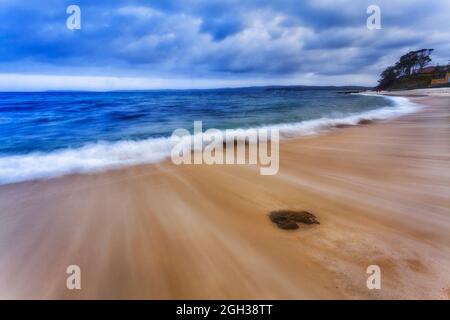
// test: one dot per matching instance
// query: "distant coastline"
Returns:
(268, 87)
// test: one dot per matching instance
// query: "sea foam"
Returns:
(108, 155)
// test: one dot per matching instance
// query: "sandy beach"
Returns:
(381, 192)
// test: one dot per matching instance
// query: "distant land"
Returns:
(269, 87)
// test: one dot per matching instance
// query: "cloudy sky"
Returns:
(137, 44)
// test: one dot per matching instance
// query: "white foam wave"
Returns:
(106, 155)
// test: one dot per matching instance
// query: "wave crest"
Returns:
(107, 155)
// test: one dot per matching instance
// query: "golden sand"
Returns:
(380, 191)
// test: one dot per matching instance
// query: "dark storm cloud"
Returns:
(210, 38)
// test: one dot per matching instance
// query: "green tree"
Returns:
(423, 57)
(387, 78)
(413, 61)
(408, 64)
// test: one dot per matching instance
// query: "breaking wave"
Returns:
(107, 155)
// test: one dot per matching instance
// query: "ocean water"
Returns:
(49, 134)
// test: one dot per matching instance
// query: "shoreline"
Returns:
(416, 98)
(158, 231)
(102, 156)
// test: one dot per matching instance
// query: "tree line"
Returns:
(407, 65)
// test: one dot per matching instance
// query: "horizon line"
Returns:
(356, 87)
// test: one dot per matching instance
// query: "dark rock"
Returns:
(288, 219)
(350, 91)
(365, 121)
(287, 225)
(341, 126)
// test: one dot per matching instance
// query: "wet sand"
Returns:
(380, 191)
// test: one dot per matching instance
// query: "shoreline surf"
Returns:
(103, 156)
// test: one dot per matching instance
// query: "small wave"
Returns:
(402, 106)
(108, 155)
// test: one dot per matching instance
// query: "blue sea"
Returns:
(48, 134)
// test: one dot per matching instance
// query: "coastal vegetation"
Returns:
(411, 72)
